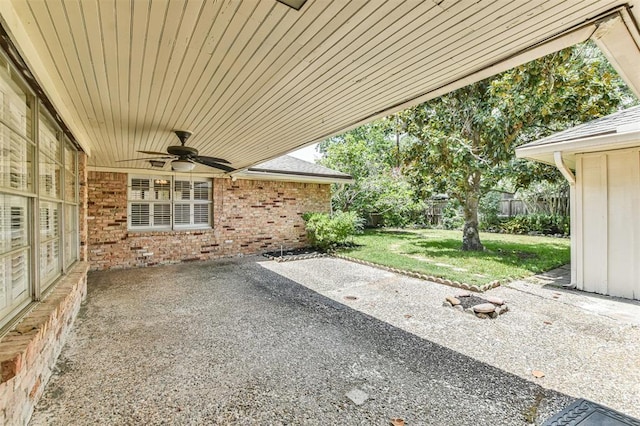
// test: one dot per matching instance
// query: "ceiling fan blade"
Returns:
(207, 162)
(215, 159)
(153, 153)
(144, 159)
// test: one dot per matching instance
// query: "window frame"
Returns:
(172, 201)
(40, 164)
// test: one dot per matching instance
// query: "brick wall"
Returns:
(29, 351)
(250, 216)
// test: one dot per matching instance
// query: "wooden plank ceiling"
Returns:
(255, 79)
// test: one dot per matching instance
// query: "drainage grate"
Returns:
(587, 413)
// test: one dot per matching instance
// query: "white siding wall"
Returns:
(608, 222)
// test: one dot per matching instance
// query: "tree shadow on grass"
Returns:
(513, 254)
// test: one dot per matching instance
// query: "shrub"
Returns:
(489, 209)
(451, 217)
(546, 224)
(325, 231)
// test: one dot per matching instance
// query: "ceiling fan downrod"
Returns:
(183, 135)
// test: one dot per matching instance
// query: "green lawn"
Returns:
(437, 252)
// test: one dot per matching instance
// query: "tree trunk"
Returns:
(470, 235)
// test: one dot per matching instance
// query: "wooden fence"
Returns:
(553, 205)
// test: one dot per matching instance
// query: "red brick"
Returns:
(10, 364)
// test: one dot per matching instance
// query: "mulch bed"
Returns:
(293, 254)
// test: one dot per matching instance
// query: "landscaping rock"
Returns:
(484, 308)
(453, 300)
(495, 300)
(357, 396)
(478, 306)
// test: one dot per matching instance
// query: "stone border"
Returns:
(293, 257)
(464, 286)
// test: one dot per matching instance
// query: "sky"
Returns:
(308, 154)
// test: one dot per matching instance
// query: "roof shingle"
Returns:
(294, 166)
(617, 122)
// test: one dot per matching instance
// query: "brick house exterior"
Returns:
(249, 216)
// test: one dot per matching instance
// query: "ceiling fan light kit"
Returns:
(182, 165)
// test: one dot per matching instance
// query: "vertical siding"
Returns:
(608, 202)
(624, 195)
(593, 187)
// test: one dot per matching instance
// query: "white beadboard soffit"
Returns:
(256, 79)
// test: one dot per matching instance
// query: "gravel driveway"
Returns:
(248, 341)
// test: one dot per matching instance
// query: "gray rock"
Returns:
(484, 308)
(357, 396)
(453, 300)
(496, 300)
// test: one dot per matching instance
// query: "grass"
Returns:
(437, 253)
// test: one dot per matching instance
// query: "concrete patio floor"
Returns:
(248, 341)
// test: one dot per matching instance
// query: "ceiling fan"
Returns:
(184, 158)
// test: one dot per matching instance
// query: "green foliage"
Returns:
(534, 224)
(370, 155)
(451, 218)
(325, 231)
(464, 141)
(489, 207)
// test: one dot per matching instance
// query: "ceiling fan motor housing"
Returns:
(182, 151)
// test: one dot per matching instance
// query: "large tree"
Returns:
(464, 139)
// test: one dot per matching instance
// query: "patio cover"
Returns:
(256, 79)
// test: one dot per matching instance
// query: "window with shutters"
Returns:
(192, 203)
(17, 156)
(163, 203)
(39, 232)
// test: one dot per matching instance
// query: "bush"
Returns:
(489, 209)
(545, 224)
(326, 231)
(451, 217)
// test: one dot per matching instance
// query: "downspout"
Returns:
(566, 171)
(571, 178)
